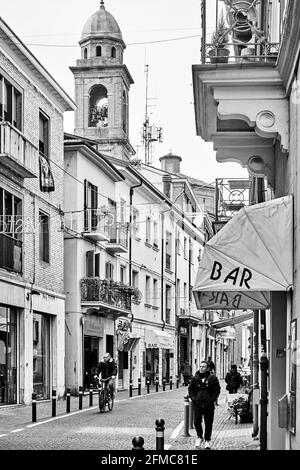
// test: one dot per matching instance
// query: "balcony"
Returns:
(17, 153)
(108, 294)
(118, 238)
(10, 254)
(95, 225)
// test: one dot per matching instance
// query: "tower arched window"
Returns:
(85, 53)
(98, 107)
(98, 51)
(124, 111)
(113, 52)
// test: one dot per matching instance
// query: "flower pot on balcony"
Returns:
(219, 55)
(247, 54)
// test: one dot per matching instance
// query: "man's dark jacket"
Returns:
(107, 369)
(204, 393)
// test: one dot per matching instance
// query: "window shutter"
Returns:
(89, 264)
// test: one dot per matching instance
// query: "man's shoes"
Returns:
(198, 442)
(207, 445)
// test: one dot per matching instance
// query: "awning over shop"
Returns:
(127, 340)
(158, 339)
(250, 257)
(233, 320)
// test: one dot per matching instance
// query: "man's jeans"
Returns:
(208, 414)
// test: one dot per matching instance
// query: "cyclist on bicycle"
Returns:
(108, 369)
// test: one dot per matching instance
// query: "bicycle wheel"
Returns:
(101, 401)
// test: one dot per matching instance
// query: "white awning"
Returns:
(232, 320)
(158, 339)
(250, 257)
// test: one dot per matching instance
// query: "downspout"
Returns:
(255, 385)
(287, 387)
(130, 268)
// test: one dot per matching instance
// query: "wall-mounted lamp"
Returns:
(33, 292)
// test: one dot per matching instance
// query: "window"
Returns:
(168, 304)
(90, 206)
(185, 294)
(135, 279)
(168, 250)
(178, 291)
(85, 52)
(155, 234)
(109, 271)
(135, 222)
(113, 52)
(123, 213)
(44, 134)
(147, 291)
(155, 293)
(148, 230)
(98, 112)
(92, 264)
(124, 111)
(10, 231)
(185, 247)
(123, 274)
(10, 103)
(44, 237)
(98, 51)
(178, 243)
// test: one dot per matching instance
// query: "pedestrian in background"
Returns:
(186, 371)
(204, 389)
(211, 365)
(233, 379)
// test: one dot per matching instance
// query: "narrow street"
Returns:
(87, 429)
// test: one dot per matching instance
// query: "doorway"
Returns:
(91, 359)
(8, 355)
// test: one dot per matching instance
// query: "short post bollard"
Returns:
(139, 386)
(164, 384)
(130, 388)
(138, 443)
(80, 397)
(171, 382)
(160, 428)
(34, 407)
(68, 400)
(91, 394)
(191, 415)
(177, 381)
(186, 416)
(53, 403)
(148, 385)
(156, 383)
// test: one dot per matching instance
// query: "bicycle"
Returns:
(105, 398)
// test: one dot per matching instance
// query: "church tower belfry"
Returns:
(102, 84)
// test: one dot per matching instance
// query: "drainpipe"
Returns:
(255, 385)
(264, 383)
(130, 268)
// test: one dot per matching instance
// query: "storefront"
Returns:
(41, 355)
(159, 346)
(8, 355)
(93, 330)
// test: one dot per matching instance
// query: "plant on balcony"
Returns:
(219, 52)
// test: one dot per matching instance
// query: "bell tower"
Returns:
(102, 84)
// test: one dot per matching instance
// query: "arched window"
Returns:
(85, 53)
(98, 109)
(124, 111)
(113, 52)
(98, 51)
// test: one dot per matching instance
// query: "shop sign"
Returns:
(93, 326)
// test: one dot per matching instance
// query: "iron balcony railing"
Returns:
(118, 234)
(251, 30)
(14, 144)
(108, 292)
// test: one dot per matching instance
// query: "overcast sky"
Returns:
(52, 30)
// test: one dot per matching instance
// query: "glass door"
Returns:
(41, 355)
(8, 355)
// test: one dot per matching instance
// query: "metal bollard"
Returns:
(34, 407)
(186, 416)
(53, 403)
(164, 384)
(139, 386)
(177, 381)
(156, 383)
(160, 428)
(148, 386)
(68, 400)
(80, 397)
(191, 415)
(171, 382)
(138, 443)
(91, 394)
(130, 388)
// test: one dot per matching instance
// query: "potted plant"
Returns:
(219, 52)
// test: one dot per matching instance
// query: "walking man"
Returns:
(204, 389)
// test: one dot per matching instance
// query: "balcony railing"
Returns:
(118, 238)
(108, 292)
(10, 253)
(253, 29)
(17, 153)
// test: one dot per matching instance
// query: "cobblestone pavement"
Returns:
(87, 430)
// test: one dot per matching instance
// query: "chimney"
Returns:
(171, 163)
